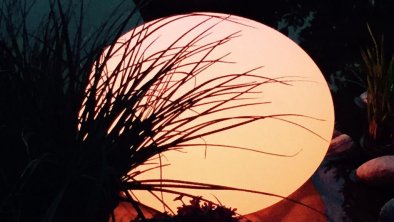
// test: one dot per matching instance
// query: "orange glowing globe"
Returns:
(276, 154)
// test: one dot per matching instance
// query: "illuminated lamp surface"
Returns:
(301, 140)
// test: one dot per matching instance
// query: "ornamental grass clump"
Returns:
(379, 67)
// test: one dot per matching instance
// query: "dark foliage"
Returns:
(199, 212)
(46, 173)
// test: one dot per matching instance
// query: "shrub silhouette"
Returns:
(197, 211)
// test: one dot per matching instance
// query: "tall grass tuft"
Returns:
(380, 82)
(72, 131)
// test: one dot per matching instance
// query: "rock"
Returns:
(362, 100)
(364, 97)
(378, 171)
(387, 212)
(340, 144)
(336, 133)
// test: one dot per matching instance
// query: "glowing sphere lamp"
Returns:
(275, 154)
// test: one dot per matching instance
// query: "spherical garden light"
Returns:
(215, 100)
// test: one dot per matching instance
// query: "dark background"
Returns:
(334, 38)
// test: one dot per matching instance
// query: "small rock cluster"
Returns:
(378, 171)
(340, 145)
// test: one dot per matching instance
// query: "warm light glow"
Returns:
(257, 45)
